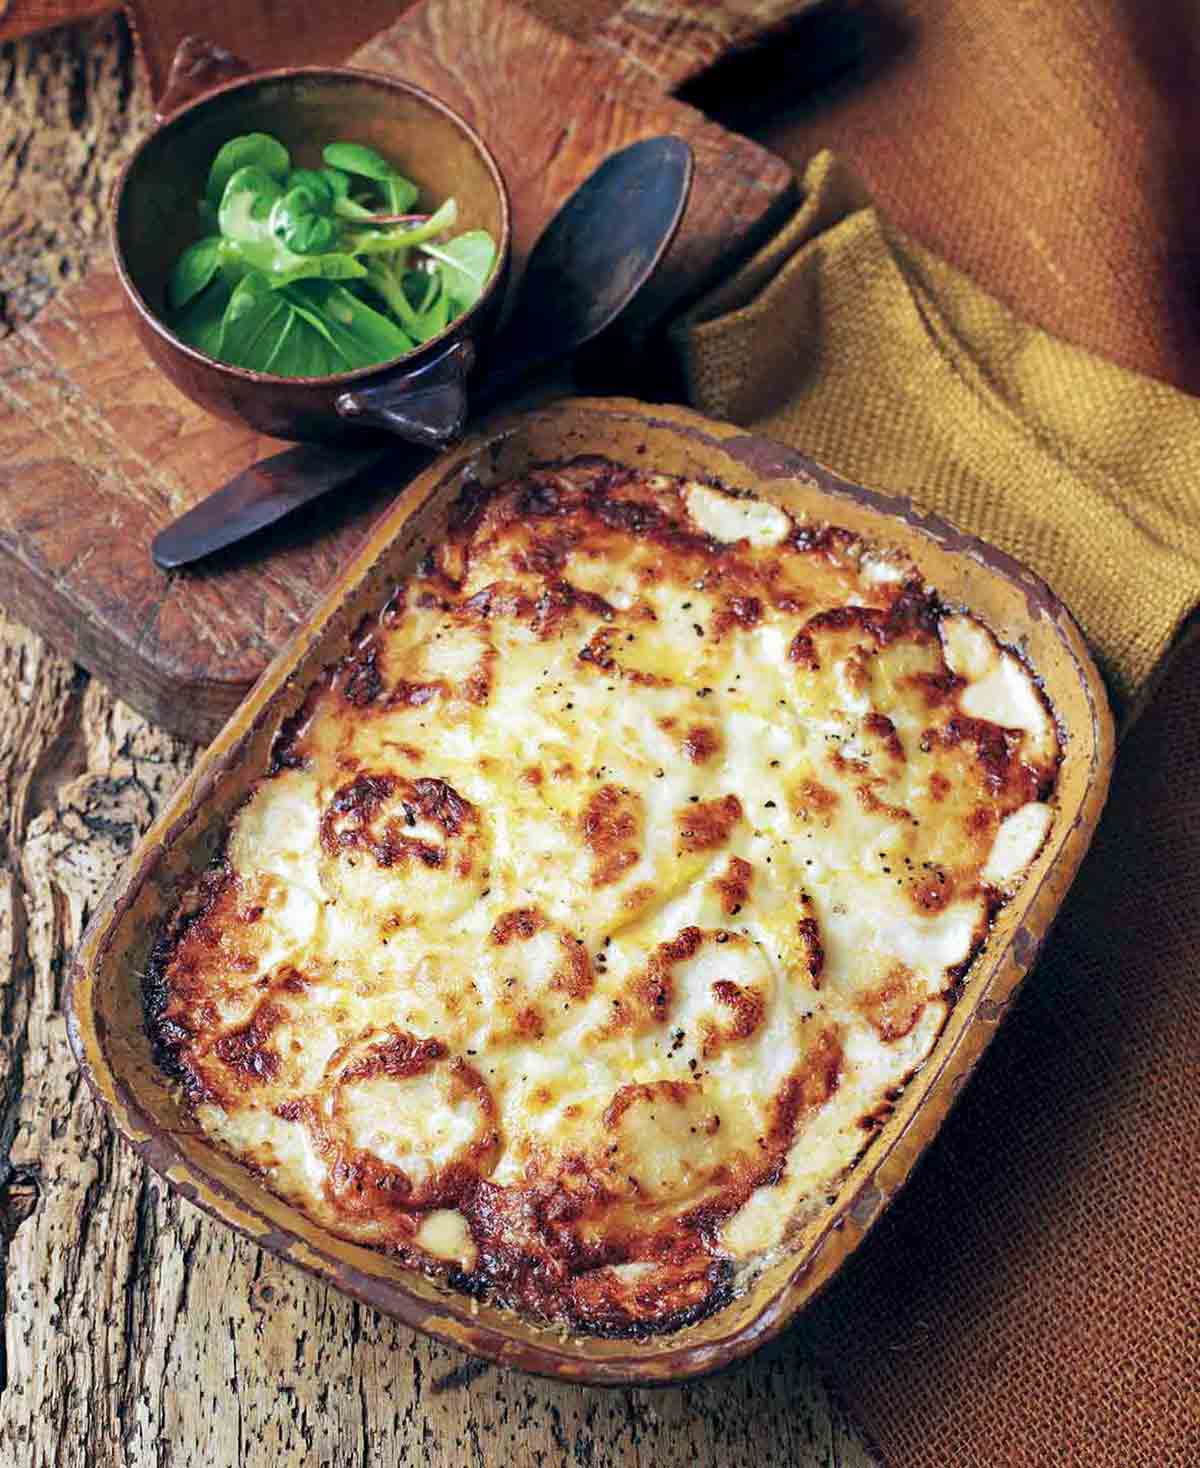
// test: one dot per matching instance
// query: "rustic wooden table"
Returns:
(137, 1331)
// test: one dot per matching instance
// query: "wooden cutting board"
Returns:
(98, 452)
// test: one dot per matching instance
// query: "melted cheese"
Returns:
(607, 894)
(728, 519)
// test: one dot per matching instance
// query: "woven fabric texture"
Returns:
(1048, 148)
(1034, 1296)
(848, 339)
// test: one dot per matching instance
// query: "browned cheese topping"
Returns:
(601, 901)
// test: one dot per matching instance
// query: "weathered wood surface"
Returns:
(98, 451)
(283, 33)
(23, 17)
(137, 1332)
(673, 43)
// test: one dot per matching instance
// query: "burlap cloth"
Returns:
(1034, 1296)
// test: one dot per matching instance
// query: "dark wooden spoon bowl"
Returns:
(155, 216)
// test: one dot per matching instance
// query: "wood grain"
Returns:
(97, 452)
(267, 33)
(672, 44)
(137, 1331)
(72, 111)
(669, 41)
(287, 32)
(24, 17)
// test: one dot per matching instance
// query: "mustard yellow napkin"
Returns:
(856, 345)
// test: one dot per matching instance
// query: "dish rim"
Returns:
(876, 1178)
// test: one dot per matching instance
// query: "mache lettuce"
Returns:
(314, 272)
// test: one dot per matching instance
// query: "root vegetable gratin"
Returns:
(599, 904)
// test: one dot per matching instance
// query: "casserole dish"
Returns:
(105, 1010)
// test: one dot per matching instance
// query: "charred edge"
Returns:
(701, 743)
(546, 1295)
(521, 922)
(361, 799)
(1061, 736)
(400, 1055)
(558, 598)
(359, 680)
(995, 750)
(468, 508)
(915, 613)
(733, 885)
(166, 1037)
(894, 1007)
(597, 652)
(245, 1049)
(956, 974)
(881, 726)
(746, 1004)
(821, 539)
(737, 611)
(720, 1279)
(497, 600)
(284, 755)
(441, 803)
(707, 824)
(546, 556)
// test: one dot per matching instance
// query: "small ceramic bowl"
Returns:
(420, 395)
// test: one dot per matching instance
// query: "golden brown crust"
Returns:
(580, 995)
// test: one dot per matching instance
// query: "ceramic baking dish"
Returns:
(105, 1013)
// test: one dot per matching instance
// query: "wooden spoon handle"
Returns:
(265, 493)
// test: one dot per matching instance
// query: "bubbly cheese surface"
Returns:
(602, 900)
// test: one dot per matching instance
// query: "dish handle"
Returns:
(198, 66)
(426, 406)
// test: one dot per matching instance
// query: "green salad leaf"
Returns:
(245, 211)
(362, 335)
(318, 180)
(200, 323)
(255, 322)
(302, 219)
(466, 264)
(281, 266)
(387, 240)
(423, 287)
(193, 270)
(260, 149)
(435, 320)
(338, 181)
(417, 300)
(333, 266)
(309, 328)
(343, 205)
(400, 193)
(308, 272)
